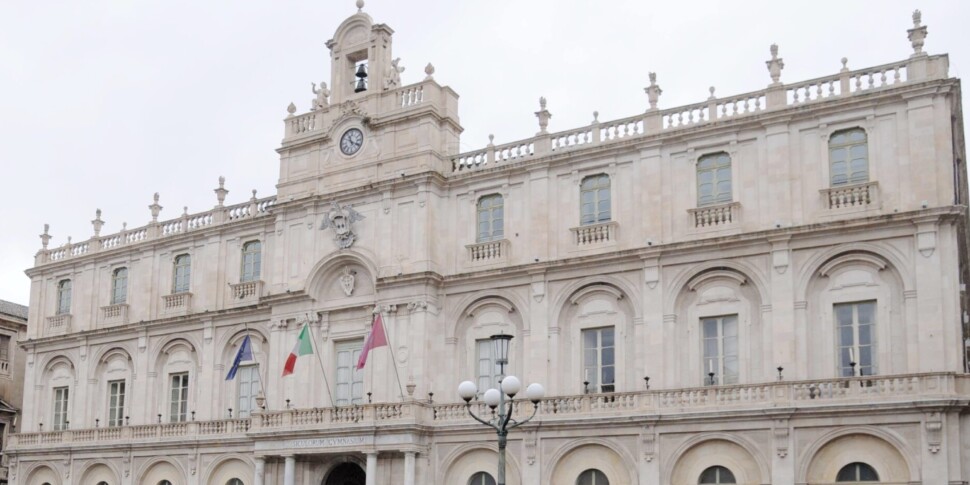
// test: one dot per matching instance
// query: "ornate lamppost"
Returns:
(495, 398)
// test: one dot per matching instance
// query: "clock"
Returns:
(351, 141)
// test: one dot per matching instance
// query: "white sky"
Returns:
(103, 103)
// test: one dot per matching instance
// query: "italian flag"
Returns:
(303, 347)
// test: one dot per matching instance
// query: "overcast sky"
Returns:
(103, 103)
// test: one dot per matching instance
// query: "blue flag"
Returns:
(245, 353)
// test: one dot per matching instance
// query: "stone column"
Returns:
(408, 467)
(371, 469)
(260, 470)
(289, 470)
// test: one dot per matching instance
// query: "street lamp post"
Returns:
(495, 398)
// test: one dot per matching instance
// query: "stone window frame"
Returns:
(113, 299)
(257, 271)
(829, 147)
(176, 289)
(596, 203)
(62, 304)
(491, 236)
(354, 344)
(825, 132)
(697, 177)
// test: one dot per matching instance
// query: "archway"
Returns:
(346, 474)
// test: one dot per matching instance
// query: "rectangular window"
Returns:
(856, 327)
(251, 261)
(248, 389)
(488, 370)
(721, 349)
(5, 348)
(179, 400)
(116, 403)
(64, 297)
(491, 218)
(182, 274)
(350, 381)
(714, 179)
(849, 157)
(594, 201)
(599, 359)
(61, 397)
(119, 286)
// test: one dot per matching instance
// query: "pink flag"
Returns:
(377, 338)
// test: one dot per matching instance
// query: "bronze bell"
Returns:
(361, 86)
(361, 71)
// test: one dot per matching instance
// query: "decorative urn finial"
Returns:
(221, 192)
(543, 114)
(429, 72)
(653, 92)
(775, 65)
(97, 223)
(360, 5)
(917, 34)
(155, 208)
(291, 109)
(45, 238)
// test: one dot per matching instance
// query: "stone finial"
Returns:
(711, 89)
(45, 238)
(596, 117)
(97, 223)
(428, 72)
(291, 109)
(775, 65)
(845, 65)
(253, 198)
(221, 191)
(543, 114)
(917, 34)
(185, 211)
(653, 92)
(360, 5)
(155, 208)
(491, 140)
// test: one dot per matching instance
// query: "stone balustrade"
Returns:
(593, 234)
(864, 392)
(776, 96)
(187, 223)
(177, 303)
(5, 367)
(714, 216)
(59, 324)
(858, 196)
(246, 292)
(488, 252)
(114, 314)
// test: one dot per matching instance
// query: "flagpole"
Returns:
(391, 349)
(259, 376)
(316, 350)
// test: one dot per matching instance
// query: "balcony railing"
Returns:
(856, 391)
(5, 367)
(714, 216)
(593, 234)
(59, 324)
(116, 314)
(176, 303)
(488, 252)
(857, 196)
(246, 292)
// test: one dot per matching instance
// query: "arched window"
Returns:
(234, 481)
(849, 157)
(714, 179)
(594, 199)
(481, 478)
(64, 297)
(182, 273)
(592, 477)
(857, 472)
(119, 286)
(251, 261)
(491, 218)
(717, 474)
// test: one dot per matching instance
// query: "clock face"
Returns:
(352, 140)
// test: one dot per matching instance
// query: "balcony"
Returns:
(812, 397)
(114, 314)
(59, 324)
(245, 293)
(595, 234)
(488, 252)
(176, 304)
(851, 198)
(715, 217)
(5, 368)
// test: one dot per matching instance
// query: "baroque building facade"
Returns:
(761, 288)
(13, 327)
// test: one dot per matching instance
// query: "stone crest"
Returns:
(347, 281)
(341, 220)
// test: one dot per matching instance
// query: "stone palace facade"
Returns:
(753, 289)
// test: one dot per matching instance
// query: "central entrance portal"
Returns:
(346, 474)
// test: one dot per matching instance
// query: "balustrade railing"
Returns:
(184, 224)
(860, 391)
(714, 215)
(114, 314)
(246, 291)
(591, 234)
(851, 196)
(489, 251)
(776, 97)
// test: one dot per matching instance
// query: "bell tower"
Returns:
(360, 57)
(367, 125)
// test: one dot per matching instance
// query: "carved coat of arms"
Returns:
(341, 220)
